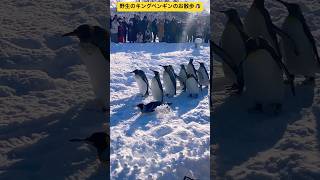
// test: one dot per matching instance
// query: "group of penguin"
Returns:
(255, 61)
(191, 81)
(92, 46)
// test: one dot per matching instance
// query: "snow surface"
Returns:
(258, 146)
(45, 95)
(169, 143)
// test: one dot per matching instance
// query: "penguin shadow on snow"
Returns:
(54, 156)
(239, 135)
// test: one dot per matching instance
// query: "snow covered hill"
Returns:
(256, 146)
(169, 143)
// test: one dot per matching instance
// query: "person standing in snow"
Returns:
(144, 26)
(121, 31)
(131, 32)
(154, 27)
(166, 30)
(114, 29)
(160, 27)
(125, 26)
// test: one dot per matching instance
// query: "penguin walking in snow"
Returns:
(100, 140)
(94, 44)
(258, 23)
(228, 60)
(169, 81)
(142, 81)
(150, 107)
(182, 77)
(156, 87)
(307, 62)
(263, 75)
(203, 76)
(191, 69)
(192, 86)
(233, 42)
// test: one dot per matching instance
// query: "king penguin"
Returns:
(192, 86)
(156, 87)
(191, 69)
(169, 81)
(203, 76)
(233, 42)
(101, 141)
(142, 81)
(258, 23)
(182, 77)
(94, 44)
(263, 75)
(307, 62)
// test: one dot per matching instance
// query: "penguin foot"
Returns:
(258, 108)
(309, 80)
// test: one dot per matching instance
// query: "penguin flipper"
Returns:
(227, 59)
(285, 35)
(311, 39)
(281, 65)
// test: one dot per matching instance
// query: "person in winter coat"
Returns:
(154, 29)
(160, 27)
(114, 29)
(148, 36)
(166, 30)
(121, 31)
(131, 32)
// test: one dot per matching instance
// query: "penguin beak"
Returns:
(73, 33)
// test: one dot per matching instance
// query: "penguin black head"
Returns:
(293, 8)
(165, 67)
(140, 106)
(182, 66)
(191, 60)
(231, 13)
(135, 71)
(156, 73)
(83, 32)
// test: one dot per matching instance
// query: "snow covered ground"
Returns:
(45, 94)
(169, 143)
(256, 146)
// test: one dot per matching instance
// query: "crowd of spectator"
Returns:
(137, 30)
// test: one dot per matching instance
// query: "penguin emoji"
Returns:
(263, 75)
(150, 107)
(169, 81)
(258, 23)
(156, 87)
(182, 77)
(191, 69)
(192, 86)
(203, 76)
(100, 140)
(307, 62)
(228, 60)
(233, 42)
(93, 46)
(142, 81)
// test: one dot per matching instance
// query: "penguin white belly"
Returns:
(192, 86)
(263, 78)
(190, 70)
(97, 67)
(255, 26)
(168, 84)
(143, 87)
(233, 44)
(156, 90)
(304, 63)
(203, 77)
